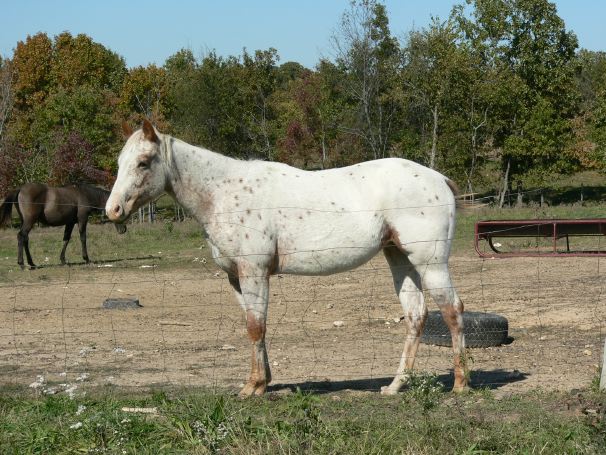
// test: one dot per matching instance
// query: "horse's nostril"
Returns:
(117, 209)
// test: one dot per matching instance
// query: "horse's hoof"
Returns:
(388, 391)
(251, 389)
(461, 389)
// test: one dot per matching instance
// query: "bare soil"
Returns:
(191, 332)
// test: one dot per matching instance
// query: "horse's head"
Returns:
(141, 173)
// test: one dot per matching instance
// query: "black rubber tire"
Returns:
(121, 303)
(481, 330)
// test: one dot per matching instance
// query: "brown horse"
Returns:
(66, 205)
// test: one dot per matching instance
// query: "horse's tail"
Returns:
(6, 208)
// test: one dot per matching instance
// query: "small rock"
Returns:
(329, 306)
(586, 352)
(153, 410)
(338, 323)
(543, 338)
(275, 363)
(228, 347)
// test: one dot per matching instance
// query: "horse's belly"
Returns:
(333, 246)
(325, 262)
(54, 217)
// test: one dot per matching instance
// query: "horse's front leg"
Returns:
(253, 287)
(82, 229)
(67, 234)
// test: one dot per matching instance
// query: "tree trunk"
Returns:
(505, 184)
(434, 139)
(520, 200)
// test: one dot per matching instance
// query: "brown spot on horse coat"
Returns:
(255, 327)
(390, 236)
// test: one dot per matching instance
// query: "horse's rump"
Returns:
(7, 206)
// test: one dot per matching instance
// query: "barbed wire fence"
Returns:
(324, 333)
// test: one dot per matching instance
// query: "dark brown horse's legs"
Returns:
(23, 238)
(82, 229)
(67, 235)
(20, 249)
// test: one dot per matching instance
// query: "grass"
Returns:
(165, 243)
(200, 422)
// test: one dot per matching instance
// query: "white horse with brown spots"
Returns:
(264, 218)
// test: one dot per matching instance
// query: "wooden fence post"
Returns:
(603, 377)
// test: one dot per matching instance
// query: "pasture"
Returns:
(190, 335)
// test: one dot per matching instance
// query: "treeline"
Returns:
(496, 93)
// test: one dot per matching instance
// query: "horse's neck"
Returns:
(194, 175)
(97, 197)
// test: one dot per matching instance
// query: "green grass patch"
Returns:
(197, 421)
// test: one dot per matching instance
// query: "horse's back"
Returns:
(337, 219)
(53, 206)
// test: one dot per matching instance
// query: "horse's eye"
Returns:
(143, 165)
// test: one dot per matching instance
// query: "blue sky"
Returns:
(149, 32)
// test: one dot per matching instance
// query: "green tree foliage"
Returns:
(495, 93)
(145, 94)
(65, 85)
(527, 43)
(224, 103)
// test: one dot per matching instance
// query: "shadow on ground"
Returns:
(479, 379)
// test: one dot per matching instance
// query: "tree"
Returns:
(6, 95)
(68, 84)
(73, 161)
(434, 67)
(526, 43)
(369, 56)
(144, 94)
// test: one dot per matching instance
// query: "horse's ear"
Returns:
(126, 129)
(149, 132)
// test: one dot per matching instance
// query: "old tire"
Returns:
(121, 303)
(481, 330)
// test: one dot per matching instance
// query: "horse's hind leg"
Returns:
(407, 283)
(252, 291)
(436, 279)
(23, 241)
(67, 235)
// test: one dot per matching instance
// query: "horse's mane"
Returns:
(97, 196)
(166, 150)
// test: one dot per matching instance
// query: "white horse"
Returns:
(264, 218)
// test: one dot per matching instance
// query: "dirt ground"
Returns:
(190, 331)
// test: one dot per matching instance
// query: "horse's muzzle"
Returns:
(115, 212)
